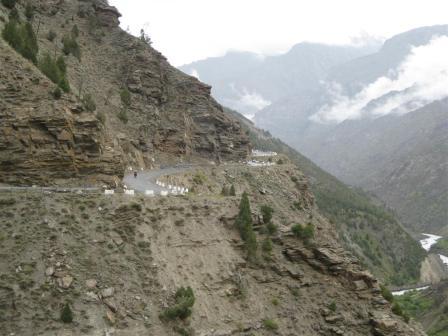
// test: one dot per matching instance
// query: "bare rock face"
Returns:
(43, 140)
(108, 15)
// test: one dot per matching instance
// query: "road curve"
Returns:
(146, 180)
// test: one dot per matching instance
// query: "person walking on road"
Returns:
(135, 174)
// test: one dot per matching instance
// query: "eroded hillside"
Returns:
(118, 260)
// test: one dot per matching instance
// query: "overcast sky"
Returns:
(190, 30)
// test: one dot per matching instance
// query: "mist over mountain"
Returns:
(248, 82)
(352, 113)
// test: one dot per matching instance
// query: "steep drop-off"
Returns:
(366, 227)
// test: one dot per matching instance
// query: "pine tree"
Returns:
(225, 191)
(232, 191)
(66, 314)
(244, 225)
(9, 3)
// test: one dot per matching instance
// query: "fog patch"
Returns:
(420, 79)
(254, 100)
(194, 73)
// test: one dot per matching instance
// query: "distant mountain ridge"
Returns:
(401, 158)
(238, 76)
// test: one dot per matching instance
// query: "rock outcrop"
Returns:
(44, 140)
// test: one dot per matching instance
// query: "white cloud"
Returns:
(195, 73)
(419, 80)
(186, 31)
(254, 100)
(248, 102)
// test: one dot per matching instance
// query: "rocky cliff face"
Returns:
(44, 139)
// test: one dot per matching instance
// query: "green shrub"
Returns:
(101, 116)
(29, 11)
(9, 3)
(304, 232)
(271, 228)
(88, 103)
(244, 225)
(297, 206)
(22, 38)
(266, 212)
(57, 93)
(55, 70)
(266, 246)
(199, 179)
(14, 15)
(182, 308)
(332, 306)
(51, 36)
(123, 116)
(125, 96)
(225, 191)
(71, 46)
(183, 331)
(386, 293)
(75, 32)
(397, 310)
(270, 324)
(66, 314)
(232, 191)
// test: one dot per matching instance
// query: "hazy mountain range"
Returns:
(374, 118)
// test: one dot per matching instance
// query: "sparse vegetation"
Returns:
(55, 70)
(266, 212)
(232, 191)
(397, 310)
(75, 31)
(228, 191)
(145, 37)
(426, 306)
(57, 93)
(71, 46)
(266, 246)
(304, 232)
(387, 295)
(199, 179)
(352, 211)
(29, 11)
(123, 116)
(101, 116)
(225, 191)
(88, 103)
(441, 247)
(9, 3)
(244, 225)
(22, 38)
(182, 308)
(51, 35)
(125, 96)
(270, 324)
(66, 314)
